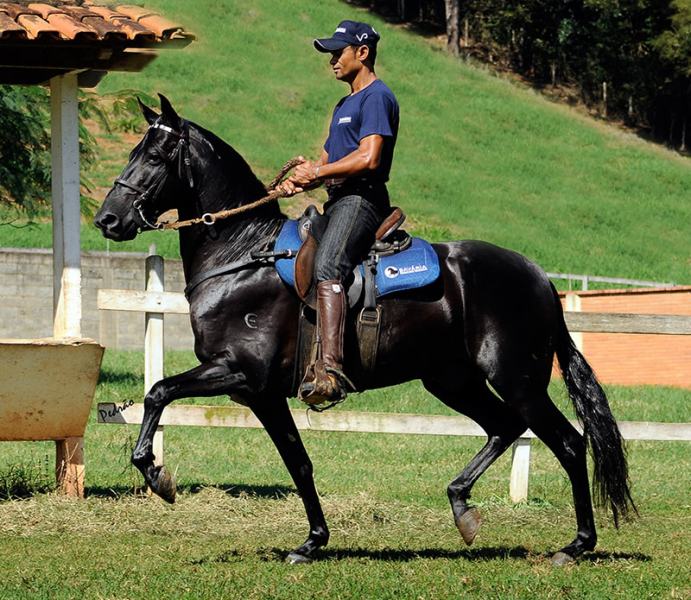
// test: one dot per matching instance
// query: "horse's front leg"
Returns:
(209, 379)
(280, 425)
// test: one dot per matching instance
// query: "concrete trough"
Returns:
(46, 391)
(47, 387)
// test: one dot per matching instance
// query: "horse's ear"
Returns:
(149, 114)
(168, 112)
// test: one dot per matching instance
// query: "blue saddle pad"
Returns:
(415, 267)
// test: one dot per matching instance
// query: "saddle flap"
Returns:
(304, 267)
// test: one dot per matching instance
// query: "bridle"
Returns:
(181, 153)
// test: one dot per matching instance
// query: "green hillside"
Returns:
(477, 156)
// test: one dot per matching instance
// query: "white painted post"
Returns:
(67, 301)
(520, 470)
(153, 340)
(67, 296)
(573, 304)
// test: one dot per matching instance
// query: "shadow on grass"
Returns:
(601, 556)
(276, 492)
(119, 377)
(399, 555)
(383, 555)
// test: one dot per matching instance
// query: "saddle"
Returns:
(389, 239)
(396, 262)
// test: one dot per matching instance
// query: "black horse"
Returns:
(493, 318)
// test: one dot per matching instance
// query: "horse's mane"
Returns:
(260, 226)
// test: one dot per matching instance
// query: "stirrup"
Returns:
(323, 384)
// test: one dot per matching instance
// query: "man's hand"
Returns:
(305, 174)
(289, 188)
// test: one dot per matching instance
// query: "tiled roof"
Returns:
(39, 40)
(83, 21)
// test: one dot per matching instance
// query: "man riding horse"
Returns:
(354, 164)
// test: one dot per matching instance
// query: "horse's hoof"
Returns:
(561, 558)
(165, 485)
(469, 524)
(297, 559)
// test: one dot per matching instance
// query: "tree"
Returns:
(452, 26)
(24, 147)
(25, 162)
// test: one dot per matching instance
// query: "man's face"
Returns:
(347, 62)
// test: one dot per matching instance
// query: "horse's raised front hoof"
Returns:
(562, 558)
(165, 485)
(469, 524)
(297, 559)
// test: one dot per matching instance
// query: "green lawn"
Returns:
(384, 496)
(478, 157)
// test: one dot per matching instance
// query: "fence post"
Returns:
(520, 470)
(153, 340)
(573, 304)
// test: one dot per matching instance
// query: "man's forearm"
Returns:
(355, 163)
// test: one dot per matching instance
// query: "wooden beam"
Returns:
(69, 466)
(154, 343)
(175, 302)
(67, 300)
(628, 323)
(138, 301)
(29, 61)
(362, 422)
(520, 470)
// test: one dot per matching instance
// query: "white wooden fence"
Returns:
(155, 302)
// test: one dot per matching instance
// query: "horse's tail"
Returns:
(602, 436)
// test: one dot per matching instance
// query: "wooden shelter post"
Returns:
(67, 300)
(67, 296)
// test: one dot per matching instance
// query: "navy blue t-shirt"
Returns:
(372, 110)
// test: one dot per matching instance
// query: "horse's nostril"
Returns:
(107, 220)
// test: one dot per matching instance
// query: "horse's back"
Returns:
(508, 305)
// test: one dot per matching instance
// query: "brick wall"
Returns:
(629, 359)
(26, 298)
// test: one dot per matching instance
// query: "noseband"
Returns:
(181, 153)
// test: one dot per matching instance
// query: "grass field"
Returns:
(477, 156)
(384, 496)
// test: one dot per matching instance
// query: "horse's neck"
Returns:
(202, 247)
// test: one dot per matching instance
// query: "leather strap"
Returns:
(237, 265)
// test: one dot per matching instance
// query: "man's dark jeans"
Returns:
(353, 222)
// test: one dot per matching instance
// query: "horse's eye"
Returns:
(154, 159)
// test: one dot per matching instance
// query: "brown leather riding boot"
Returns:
(324, 381)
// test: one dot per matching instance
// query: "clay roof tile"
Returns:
(69, 28)
(9, 29)
(37, 28)
(15, 10)
(64, 19)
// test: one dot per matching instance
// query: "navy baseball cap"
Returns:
(348, 33)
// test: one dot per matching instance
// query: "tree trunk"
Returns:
(452, 26)
(682, 148)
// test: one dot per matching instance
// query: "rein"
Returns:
(181, 153)
(211, 218)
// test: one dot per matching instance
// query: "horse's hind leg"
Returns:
(209, 379)
(502, 425)
(280, 425)
(552, 427)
